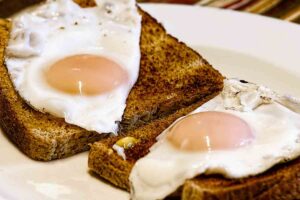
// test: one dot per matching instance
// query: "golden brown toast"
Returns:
(171, 76)
(280, 182)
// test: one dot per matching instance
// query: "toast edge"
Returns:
(105, 162)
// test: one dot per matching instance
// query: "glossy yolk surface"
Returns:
(85, 75)
(207, 131)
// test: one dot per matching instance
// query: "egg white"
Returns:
(57, 29)
(275, 121)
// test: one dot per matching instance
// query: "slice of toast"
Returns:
(171, 76)
(108, 164)
(280, 182)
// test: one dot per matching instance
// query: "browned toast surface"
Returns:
(171, 70)
(9, 7)
(171, 76)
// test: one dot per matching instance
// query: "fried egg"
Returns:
(76, 63)
(242, 132)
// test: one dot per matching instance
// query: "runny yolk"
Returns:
(85, 74)
(207, 131)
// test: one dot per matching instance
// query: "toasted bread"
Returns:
(109, 165)
(280, 182)
(171, 76)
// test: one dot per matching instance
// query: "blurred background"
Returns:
(283, 9)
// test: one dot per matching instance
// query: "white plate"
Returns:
(240, 45)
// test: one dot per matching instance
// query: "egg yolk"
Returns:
(207, 131)
(85, 74)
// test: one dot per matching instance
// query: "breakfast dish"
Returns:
(186, 132)
(34, 92)
(229, 147)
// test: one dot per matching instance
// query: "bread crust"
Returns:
(280, 182)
